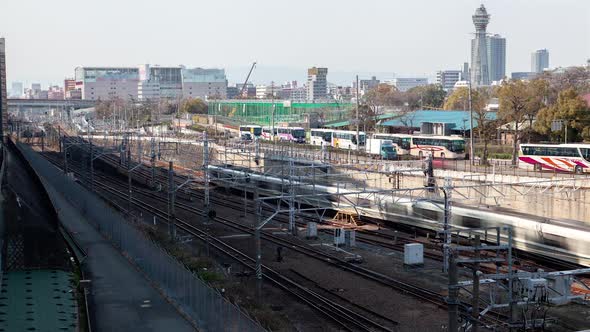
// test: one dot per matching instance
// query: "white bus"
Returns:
(445, 147)
(400, 142)
(321, 137)
(267, 133)
(251, 130)
(346, 139)
(562, 157)
(291, 134)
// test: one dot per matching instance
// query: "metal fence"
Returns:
(203, 304)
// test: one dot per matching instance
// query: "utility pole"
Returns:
(471, 147)
(452, 300)
(206, 175)
(171, 207)
(357, 119)
(476, 274)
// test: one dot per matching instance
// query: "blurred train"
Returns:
(564, 240)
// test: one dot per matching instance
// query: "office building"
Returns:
(539, 61)
(366, 85)
(479, 51)
(404, 84)
(107, 83)
(465, 75)
(204, 83)
(267, 91)
(167, 79)
(496, 48)
(317, 84)
(17, 90)
(448, 78)
(3, 94)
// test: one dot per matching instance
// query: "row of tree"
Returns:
(148, 111)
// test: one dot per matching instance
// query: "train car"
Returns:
(567, 241)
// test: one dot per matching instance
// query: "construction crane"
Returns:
(247, 77)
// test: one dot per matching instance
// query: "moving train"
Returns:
(567, 241)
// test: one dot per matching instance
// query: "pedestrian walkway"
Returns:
(120, 298)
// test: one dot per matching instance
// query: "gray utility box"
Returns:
(413, 254)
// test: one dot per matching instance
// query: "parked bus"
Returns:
(445, 147)
(267, 133)
(252, 130)
(347, 139)
(291, 134)
(562, 157)
(321, 137)
(400, 142)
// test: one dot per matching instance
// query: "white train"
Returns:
(567, 241)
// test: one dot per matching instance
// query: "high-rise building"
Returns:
(448, 78)
(317, 84)
(404, 84)
(366, 85)
(539, 61)
(3, 95)
(465, 72)
(496, 47)
(479, 49)
(17, 90)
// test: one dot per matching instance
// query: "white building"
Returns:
(107, 83)
(204, 83)
(448, 78)
(17, 90)
(267, 91)
(406, 83)
(317, 84)
(168, 80)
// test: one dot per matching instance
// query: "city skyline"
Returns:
(377, 54)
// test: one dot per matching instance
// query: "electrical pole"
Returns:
(171, 194)
(471, 147)
(206, 176)
(358, 142)
(452, 301)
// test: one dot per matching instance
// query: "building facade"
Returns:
(539, 61)
(522, 75)
(317, 84)
(167, 79)
(204, 83)
(496, 47)
(479, 51)
(107, 83)
(406, 83)
(448, 78)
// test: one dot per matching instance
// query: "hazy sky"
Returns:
(46, 40)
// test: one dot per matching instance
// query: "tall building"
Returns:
(539, 61)
(204, 83)
(496, 47)
(366, 85)
(522, 75)
(479, 49)
(317, 84)
(3, 95)
(448, 78)
(107, 83)
(406, 83)
(17, 90)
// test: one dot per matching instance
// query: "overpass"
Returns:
(17, 105)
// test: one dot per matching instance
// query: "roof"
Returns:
(416, 118)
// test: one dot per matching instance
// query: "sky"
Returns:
(46, 40)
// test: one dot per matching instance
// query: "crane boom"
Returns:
(247, 77)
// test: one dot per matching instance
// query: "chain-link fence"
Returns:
(203, 304)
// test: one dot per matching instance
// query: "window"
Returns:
(585, 153)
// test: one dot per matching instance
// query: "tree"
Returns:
(383, 95)
(572, 110)
(194, 106)
(518, 103)
(485, 126)
(428, 96)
